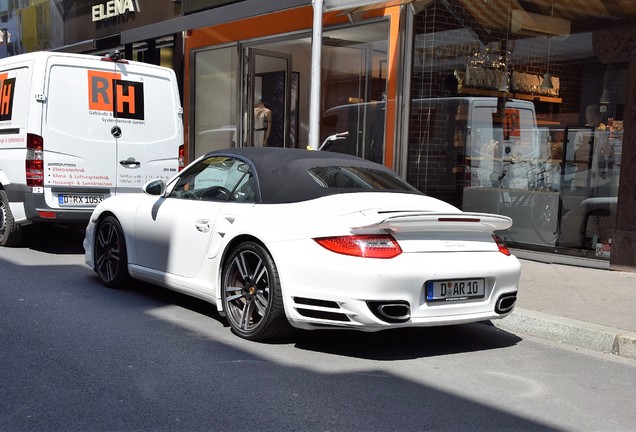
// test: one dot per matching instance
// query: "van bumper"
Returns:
(35, 206)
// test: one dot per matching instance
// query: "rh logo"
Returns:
(108, 92)
(7, 89)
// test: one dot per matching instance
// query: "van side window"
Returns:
(217, 178)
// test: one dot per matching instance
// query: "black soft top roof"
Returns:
(283, 174)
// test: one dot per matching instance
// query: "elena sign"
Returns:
(113, 8)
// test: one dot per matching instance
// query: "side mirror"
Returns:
(154, 187)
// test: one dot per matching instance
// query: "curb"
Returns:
(572, 332)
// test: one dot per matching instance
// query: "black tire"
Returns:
(111, 258)
(10, 232)
(252, 297)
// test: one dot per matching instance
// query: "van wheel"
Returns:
(111, 259)
(10, 232)
(252, 297)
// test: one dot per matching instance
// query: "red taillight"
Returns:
(35, 161)
(366, 246)
(181, 157)
(501, 245)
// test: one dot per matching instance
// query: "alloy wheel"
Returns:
(110, 252)
(247, 291)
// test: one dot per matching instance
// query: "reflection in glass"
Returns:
(214, 126)
(354, 86)
(487, 136)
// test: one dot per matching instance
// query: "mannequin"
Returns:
(262, 124)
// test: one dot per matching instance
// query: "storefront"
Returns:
(91, 27)
(264, 80)
(519, 108)
(497, 106)
(503, 106)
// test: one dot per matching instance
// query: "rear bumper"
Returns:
(326, 290)
(34, 204)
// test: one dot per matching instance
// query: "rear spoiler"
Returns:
(483, 222)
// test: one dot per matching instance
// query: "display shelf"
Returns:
(496, 93)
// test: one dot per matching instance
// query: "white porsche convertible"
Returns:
(283, 238)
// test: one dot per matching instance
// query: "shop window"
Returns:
(274, 90)
(214, 126)
(354, 88)
(156, 51)
(514, 120)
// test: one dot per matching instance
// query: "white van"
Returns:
(473, 122)
(499, 144)
(76, 129)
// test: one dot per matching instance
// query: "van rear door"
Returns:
(146, 125)
(107, 128)
(79, 150)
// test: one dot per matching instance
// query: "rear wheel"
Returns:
(10, 232)
(111, 259)
(252, 297)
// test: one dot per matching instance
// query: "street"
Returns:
(76, 356)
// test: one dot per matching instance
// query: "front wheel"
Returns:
(111, 259)
(252, 297)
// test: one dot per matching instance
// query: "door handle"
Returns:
(130, 162)
(203, 225)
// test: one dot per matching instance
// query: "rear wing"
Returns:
(411, 222)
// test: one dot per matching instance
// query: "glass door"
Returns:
(354, 79)
(267, 89)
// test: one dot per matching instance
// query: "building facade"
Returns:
(519, 107)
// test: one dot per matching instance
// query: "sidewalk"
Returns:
(584, 307)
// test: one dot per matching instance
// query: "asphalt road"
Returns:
(76, 356)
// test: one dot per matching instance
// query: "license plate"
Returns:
(454, 290)
(68, 200)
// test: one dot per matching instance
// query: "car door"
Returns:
(172, 233)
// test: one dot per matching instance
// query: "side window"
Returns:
(217, 178)
(245, 190)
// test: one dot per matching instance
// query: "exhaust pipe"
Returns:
(395, 311)
(505, 303)
(392, 312)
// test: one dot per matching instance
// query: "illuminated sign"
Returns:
(114, 8)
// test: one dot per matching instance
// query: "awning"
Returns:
(209, 17)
